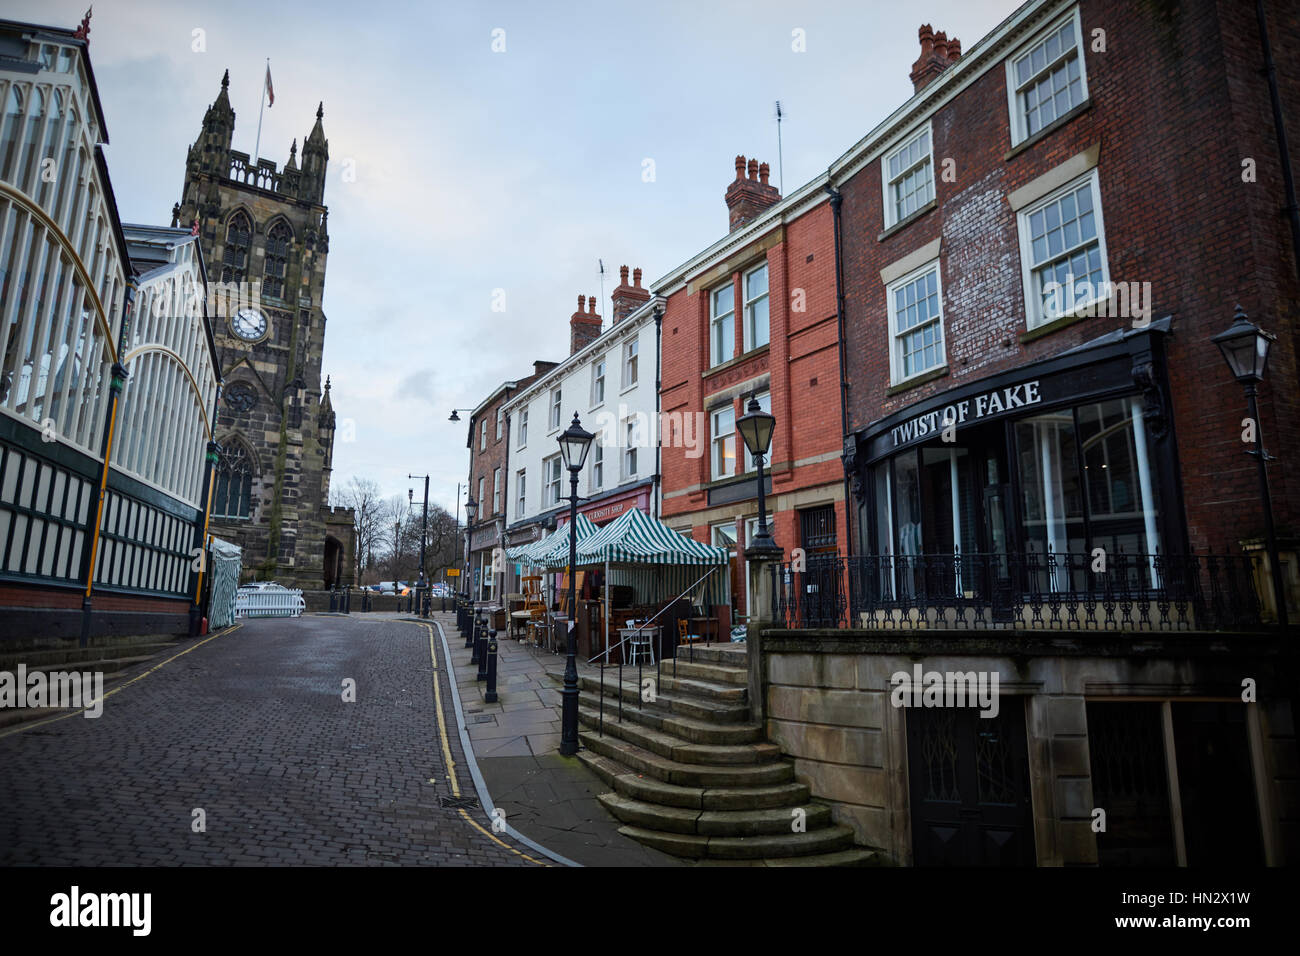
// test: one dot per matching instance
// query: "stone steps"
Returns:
(688, 728)
(831, 839)
(640, 787)
(766, 822)
(673, 747)
(678, 702)
(686, 774)
(692, 776)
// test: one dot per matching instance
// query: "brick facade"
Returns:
(1176, 103)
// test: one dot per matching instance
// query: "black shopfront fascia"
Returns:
(1121, 363)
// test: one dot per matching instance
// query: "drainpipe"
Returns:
(659, 437)
(836, 201)
(1279, 124)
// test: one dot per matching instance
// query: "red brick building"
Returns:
(1113, 143)
(755, 315)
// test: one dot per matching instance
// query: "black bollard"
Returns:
(480, 624)
(471, 620)
(491, 695)
(481, 649)
(347, 599)
(334, 599)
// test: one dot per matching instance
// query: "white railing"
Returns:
(269, 602)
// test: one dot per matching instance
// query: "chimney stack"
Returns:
(584, 325)
(937, 54)
(750, 193)
(628, 298)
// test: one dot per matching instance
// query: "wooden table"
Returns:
(624, 633)
(706, 627)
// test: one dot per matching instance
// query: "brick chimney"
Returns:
(749, 194)
(584, 325)
(937, 54)
(628, 298)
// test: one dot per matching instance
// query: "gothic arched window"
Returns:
(239, 233)
(232, 496)
(277, 255)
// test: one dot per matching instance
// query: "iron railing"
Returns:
(1033, 590)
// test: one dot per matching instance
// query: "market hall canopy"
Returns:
(636, 538)
(553, 550)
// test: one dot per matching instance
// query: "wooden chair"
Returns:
(683, 625)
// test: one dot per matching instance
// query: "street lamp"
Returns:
(471, 511)
(756, 429)
(1245, 348)
(575, 442)
(424, 530)
(453, 417)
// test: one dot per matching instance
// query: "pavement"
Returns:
(240, 748)
(549, 798)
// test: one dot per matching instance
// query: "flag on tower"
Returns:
(270, 91)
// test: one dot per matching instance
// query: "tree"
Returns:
(368, 512)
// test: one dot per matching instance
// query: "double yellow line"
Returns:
(446, 751)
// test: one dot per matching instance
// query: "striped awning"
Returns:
(636, 538)
(553, 550)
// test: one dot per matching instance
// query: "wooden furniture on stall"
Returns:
(523, 619)
(683, 625)
(638, 643)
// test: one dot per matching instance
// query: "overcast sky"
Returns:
(478, 170)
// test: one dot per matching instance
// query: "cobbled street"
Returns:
(252, 728)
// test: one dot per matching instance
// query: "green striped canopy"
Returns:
(636, 538)
(553, 550)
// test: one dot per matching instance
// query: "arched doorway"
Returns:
(333, 561)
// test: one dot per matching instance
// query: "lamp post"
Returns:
(1245, 348)
(574, 445)
(471, 511)
(453, 417)
(756, 428)
(424, 530)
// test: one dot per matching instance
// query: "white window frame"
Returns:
(482, 480)
(896, 376)
(715, 320)
(1034, 316)
(719, 526)
(556, 418)
(521, 502)
(523, 426)
(597, 464)
(501, 416)
(715, 438)
(496, 491)
(1018, 124)
(482, 435)
(631, 363)
(598, 368)
(632, 432)
(749, 331)
(887, 182)
(553, 482)
(765, 403)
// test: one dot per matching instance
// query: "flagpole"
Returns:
(261, 107)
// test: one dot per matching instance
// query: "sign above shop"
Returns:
(979, 407)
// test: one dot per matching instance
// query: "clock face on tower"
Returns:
(249, 325)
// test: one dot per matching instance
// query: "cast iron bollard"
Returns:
(471, 634)
(491, 695)
(480, 625)
(334, 599)
(481, 649)
(347, 599)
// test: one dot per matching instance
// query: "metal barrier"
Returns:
(269, 602)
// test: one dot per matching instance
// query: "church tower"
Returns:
(265, 238)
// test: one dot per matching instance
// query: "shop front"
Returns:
(1037, 479)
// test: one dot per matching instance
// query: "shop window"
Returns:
(1122, 517)
(908, 177)
(1047, 79)
(916, 324)
(1051, 489)
(723, 535)
(1063, 251)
